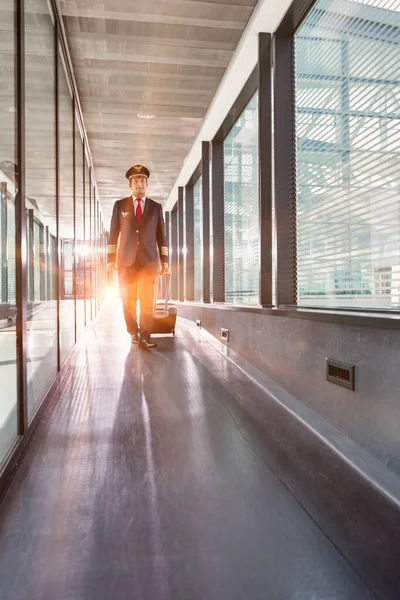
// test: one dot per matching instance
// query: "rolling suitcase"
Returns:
(164, 313)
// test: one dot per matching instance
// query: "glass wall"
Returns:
(80, 232)
(348, 151)
(241, 209)
(184, 247)
(8, 198)
(53, 210)
(66, 212)
(198, 240)
(211, 235)
(93, 252)
(40, 123)
(88, 244)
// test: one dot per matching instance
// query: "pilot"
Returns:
(137, 227)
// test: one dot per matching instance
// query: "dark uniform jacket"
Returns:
(140, 244)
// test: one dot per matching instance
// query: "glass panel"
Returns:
(347, 157)
(8, 196)
(40, 200)
(66, 212)
(184, 248)
(198, 240)
(98, 264)
(80, 233)
(274, 252)
(93, 252)
(211, 237)
(241, 210)
(88, 247)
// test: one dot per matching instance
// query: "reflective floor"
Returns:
(41, 351)
(8, 388)
(144, 483)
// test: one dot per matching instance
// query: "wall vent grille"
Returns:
(340, 373)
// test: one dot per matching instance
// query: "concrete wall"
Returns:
(293, 351)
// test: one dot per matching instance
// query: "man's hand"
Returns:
(111, 266)
(164, 269)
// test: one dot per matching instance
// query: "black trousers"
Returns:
(137, 283)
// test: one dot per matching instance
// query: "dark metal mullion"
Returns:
(217, 168)
(96, 227)
(174, 253)
(101, 259)
(75, 246)
(98, 255)
(96, 243)
(294, 16)
(42, 263)
(285, 171)
(4, 249)
(31, 255)
(205, 185)
(47, 253)
(84, 229)
(167, 221)
(180, 247)
(284, 151)
(98, 224)
(58, 239)
(265, 165)
(20, 237)
(98, 270)
(99, 250)
(189, 212)
(90, 243)
(96, 235)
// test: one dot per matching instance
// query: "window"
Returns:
(347, 155)
(8, 198)
(80, 249)
(241, 209)
(66, 212)
(198, 240)
(211, 236)
(42, 339)
(88, 242)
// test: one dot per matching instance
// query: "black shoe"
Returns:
(135, 338)
(147, 345)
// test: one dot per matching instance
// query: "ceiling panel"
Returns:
(162, 59)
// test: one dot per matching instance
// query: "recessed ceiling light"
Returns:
(145, 112)
(143, 115)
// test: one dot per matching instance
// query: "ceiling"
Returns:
(160, 58)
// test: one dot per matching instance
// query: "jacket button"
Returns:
(137, 230)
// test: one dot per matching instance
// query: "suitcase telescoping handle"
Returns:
(167, 280)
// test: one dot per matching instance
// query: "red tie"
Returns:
(139, 210)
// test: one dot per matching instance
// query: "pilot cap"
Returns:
(137, 170)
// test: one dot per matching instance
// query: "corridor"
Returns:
(145, 481)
